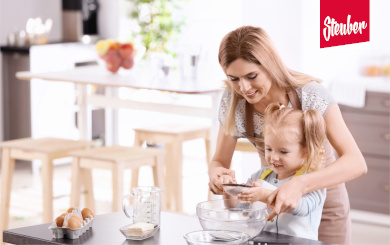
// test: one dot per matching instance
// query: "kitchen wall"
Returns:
(15, 13)
(282, 20)
(13, 17)
(294, 27)
(329, 63)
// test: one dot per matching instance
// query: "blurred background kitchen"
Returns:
(55, 35)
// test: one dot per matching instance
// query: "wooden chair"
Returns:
(116, 159)
(44, 149)
(245, 145)
(173, 136)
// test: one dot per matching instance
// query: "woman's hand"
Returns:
(220, 176)
(285, 198)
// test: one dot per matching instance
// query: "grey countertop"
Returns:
(105, 230)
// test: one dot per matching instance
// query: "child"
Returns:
(293, 146)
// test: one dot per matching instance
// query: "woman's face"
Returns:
(248, 79)
(284, 154)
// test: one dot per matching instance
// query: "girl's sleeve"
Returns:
(310, 202)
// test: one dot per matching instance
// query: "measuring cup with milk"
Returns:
(146, 204)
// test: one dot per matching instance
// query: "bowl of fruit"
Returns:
(116, 54)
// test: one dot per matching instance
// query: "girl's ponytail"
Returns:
(315, 131)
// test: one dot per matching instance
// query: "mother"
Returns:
(256, 77)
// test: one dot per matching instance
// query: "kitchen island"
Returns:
(105, 230)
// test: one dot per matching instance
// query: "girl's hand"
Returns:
(220, 176)
(285, 198)
(251, 194)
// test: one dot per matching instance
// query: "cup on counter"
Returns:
(146, 204)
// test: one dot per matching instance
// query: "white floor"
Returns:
(26, 192)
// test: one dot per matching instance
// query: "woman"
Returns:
(256, 77)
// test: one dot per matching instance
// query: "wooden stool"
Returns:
(244, 144)
(44, 149)
(173, 135)
(116, 159)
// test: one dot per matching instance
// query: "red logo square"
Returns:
(344, 22)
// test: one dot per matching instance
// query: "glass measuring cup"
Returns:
(146, 204)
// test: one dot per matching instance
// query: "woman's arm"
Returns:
(348, 166)
(221, 161)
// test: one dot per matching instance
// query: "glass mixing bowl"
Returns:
(216, 238)
(230, 215)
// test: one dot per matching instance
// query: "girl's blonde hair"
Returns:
(254, 45)
(308, 127)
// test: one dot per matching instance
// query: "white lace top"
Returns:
(312, 96)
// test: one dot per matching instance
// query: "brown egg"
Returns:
(70, 210)
(86, 212)
(60, 220)
(73, 223)
(63, 215)
(78, 218)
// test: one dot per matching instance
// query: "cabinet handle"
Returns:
(386, 187)
(387, 136)
(387, 103)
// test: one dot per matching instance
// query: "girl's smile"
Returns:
(285, 154)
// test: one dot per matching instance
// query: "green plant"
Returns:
(159, 22)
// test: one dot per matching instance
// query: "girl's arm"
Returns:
(310, 202)
(348, 166)
(254, 194)
(221, 161)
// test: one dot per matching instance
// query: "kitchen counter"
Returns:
(105, 230)
(379, 84)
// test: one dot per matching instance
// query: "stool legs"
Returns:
(135, 171)
(76, 177)
(117, 188)
(85, 175)
(47, 189)
(88, 188)
(7, 168)
(158, 178)
(174, 183)
(208, 156)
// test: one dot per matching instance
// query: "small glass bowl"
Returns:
(146, 234)
(216, 237)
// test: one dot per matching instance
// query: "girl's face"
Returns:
(249, 80)
(284, 154)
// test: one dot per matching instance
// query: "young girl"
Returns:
(293, 146)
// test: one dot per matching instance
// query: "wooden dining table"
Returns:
(105, 230)
(86, 77)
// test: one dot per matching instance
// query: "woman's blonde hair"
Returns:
(308, 127)
(254, 45)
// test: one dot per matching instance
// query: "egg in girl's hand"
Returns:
(86, 212)
(73, 223)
